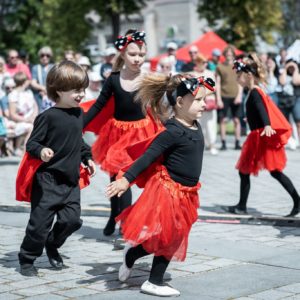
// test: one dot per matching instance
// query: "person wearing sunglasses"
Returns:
(39, 74)
(14, 65)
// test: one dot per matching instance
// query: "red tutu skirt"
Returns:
(162, 217)
(114, 137)
(259, 153)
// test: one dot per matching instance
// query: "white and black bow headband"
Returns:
(137, 37)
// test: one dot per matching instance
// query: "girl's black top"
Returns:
(256, 113)
(182, 150)
(126, 109)
(60, 129)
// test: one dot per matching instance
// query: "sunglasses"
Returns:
(12, 57)
(44, 54)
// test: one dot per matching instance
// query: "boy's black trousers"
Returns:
(50, 197)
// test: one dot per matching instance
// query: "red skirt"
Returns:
(114, 137)
(162, 217)
(259, 153)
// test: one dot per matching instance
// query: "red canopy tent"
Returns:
(206, 43)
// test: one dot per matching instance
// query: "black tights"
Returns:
(118, 204)
(159, 264)
(279, 176)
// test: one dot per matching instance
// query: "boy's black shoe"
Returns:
(28, 270)
(110, 227)
(235, 210)
(54, 257)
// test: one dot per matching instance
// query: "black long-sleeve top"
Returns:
(60, 129)
(182, 150)
(257, 116)
(125, 107)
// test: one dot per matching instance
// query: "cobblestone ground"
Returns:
(226, 259)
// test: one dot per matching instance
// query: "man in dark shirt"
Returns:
(56, 140)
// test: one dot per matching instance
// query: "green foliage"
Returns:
(60, 24)
(239, 21)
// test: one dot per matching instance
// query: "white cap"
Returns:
(94, 76)
(109, 51)
(172, 45)
(84, 60)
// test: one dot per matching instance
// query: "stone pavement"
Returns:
(228, 258)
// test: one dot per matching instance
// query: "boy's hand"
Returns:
(46, 154)
(91, 168)
(117, 187)
(268, 131)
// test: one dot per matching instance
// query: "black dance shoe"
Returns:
(110, 227)
(55, 259)
(28, 270)
(235, 210)
(293, 212)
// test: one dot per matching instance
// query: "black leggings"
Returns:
(118, 204)
(283, 180)
(159, 264)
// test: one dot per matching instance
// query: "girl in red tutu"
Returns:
(264, 146)
(129, 124)
(161, 219)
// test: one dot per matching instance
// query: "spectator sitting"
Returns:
(69, 55)
(22, 110)
(39, 75)
(166, 65)
(85, 63)
(14, 65)
(106, 66)
(193, 52)
(3, 76)
(213, 63)
(93, 90)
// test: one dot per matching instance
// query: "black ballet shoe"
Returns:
(54, 258)
(235, 210)
(110, 227)
(293, 212)
(28, 270)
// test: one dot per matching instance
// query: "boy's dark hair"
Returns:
(20, 78)
(64, 77)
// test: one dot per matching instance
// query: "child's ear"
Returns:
(179, 101)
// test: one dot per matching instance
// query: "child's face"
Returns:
(70, 99)
(193, 106)
(134, 56)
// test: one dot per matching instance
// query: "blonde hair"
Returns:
(152, 90)
(253, 61)
(20, 78)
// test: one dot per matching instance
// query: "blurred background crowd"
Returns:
(29, 50)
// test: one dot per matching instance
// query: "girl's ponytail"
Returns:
(152, 90)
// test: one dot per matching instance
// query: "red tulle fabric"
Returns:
(114, 137)
(162, 217)
(259, 154)
(262, 152)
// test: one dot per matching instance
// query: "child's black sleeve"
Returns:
(86, 153)
(35, 144)
(260, 108)
(104, 96)
(163, 141)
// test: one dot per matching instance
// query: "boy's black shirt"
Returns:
(60, 129)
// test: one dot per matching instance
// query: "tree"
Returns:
(111, 10)
(240, 21)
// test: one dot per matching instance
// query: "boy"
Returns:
(56, 140)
